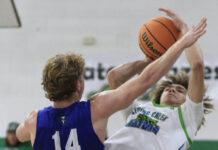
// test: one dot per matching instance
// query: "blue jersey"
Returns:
(67, 128)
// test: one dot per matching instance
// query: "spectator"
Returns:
(11, 142)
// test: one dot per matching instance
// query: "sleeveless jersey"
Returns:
(158, 127)
(67, 128)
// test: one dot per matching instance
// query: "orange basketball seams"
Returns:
(156, 36)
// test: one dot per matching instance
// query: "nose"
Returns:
(171, 90)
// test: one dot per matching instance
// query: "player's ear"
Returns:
(79, 85)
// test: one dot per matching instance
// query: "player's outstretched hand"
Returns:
(195, 33)
(177, 20)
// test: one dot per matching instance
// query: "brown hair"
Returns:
(181, 78)
(61, 74)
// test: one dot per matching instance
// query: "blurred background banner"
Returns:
(104, 32)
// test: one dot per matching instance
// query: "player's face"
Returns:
(173, 95)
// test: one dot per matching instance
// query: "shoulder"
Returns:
(192, 105)
(101, 105)
(96, 99)
(95, 102)
(102, 100)
(32, 115)
(192, 112)
(31, 119)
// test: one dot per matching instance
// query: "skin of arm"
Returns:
(196, 78)
(27, 130)
(195, 60)
(119, 75)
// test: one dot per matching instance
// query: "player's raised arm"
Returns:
(123, 96)
(196, 79)
(194, 57)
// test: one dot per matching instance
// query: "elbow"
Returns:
(112, 79)
(197, 65)
(110, 76)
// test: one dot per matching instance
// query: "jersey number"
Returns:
(71, 139)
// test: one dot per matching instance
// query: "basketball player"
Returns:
(70, 124)
(172, 119)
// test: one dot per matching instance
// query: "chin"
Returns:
(178, 104)
(173, 103)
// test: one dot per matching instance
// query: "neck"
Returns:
(64, 103)
(170, 104)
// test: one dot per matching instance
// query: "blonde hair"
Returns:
(183, 79)
(61, 74)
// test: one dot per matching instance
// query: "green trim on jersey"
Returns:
(183, 125)
(158, 105)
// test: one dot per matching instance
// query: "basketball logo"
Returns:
(156, 36)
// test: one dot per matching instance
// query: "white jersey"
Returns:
(152, 126)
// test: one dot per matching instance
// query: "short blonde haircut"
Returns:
(61, 74)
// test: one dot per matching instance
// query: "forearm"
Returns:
(119, 75)
(196, 79)
(162, 65)
(193, 53)
(195, 57)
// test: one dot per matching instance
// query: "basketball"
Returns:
(156, 36)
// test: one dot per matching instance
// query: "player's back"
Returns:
(67, 128)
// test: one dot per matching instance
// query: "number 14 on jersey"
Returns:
(71, 139)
